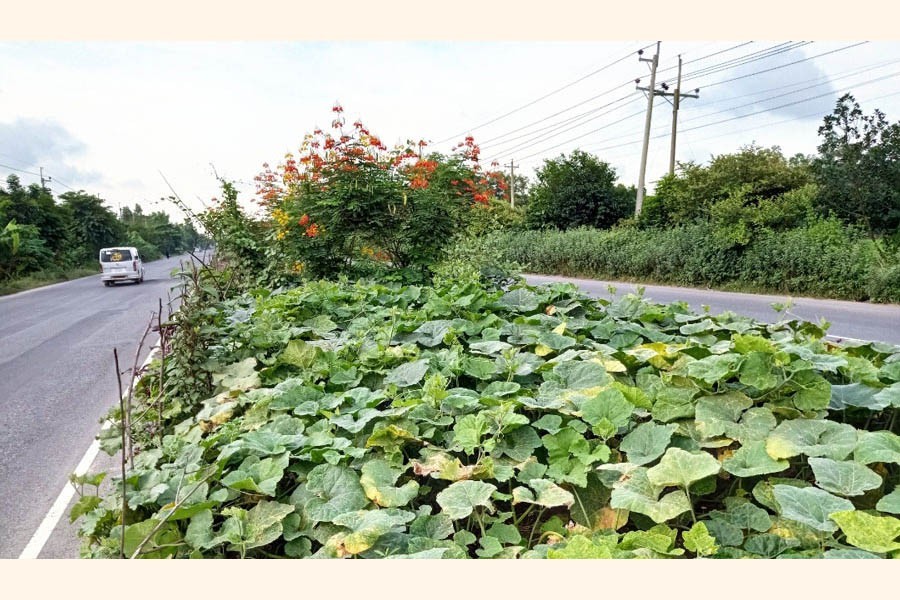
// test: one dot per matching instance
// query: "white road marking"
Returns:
(45, 529)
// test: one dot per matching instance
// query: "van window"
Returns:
(115, 255)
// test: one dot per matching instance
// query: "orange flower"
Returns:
(312, 230)
(304, 220)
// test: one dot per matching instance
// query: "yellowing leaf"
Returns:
(542, 350)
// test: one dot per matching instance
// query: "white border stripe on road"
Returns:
(45, 529)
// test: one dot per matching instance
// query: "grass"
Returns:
(42, 278)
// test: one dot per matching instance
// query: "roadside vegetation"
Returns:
(823, 225)
(361, 374)
(45, 239)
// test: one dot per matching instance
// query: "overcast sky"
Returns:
(110, 117)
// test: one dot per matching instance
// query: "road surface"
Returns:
(856, 320)
(57, 382)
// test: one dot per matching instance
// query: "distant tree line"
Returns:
(39, 232)
(855, 178)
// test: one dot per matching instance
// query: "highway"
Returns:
(57, 382)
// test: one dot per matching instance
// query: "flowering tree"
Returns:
(346, 198)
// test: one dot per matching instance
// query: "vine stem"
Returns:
(534, 527)
(691, 504)
(162, 367)
(163, 521)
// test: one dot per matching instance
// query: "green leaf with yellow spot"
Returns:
(869, 532)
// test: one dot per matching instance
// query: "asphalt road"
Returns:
(857, 320)
(57, 382)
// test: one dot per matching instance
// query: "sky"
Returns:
(121, 119)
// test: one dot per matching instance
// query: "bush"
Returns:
(824, 258)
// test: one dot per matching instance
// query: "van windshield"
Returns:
(115, 255)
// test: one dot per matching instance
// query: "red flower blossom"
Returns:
(304, 220)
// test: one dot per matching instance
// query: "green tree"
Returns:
(753, 174)
(858, 167)
(34, 205)
(574, 191)
(92, 225)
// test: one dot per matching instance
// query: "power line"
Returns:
(797, 91)
(809, 99)
(556, 132)
(744, 60)
(640, 112)
(486, 143)
(709, 85)
(545, 96)
(20, 170)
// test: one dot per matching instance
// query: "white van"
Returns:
(121, 264)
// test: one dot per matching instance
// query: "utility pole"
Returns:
(47, 179)
(654, 62)
(676, 103)
(512, 183)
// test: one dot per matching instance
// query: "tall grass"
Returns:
(825, 259)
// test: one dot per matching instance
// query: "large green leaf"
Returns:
(646, 442)
(845, 478)
(714, 368)
(699, 541)
(715, 414)
(365, 526)
(889, 396)
(238, 376)
(546, 494)
(460, 498)
(637, 494)
(519, 444)
(673, 403)
(332, 490)
(755, 425)
(869, 532)
(877, 446)
(812, 437)
(810, 506)
(812, 391)
(680, 468)
(857, 395)
(469, 430)
(378, 480)
(579, 375)
(751, 460)
(407, 374)
(300, 354)
(431, 333)
(758, 371)
(610, 404)
(890, 503)
(520, 300)
(258, 475)
(580, 547)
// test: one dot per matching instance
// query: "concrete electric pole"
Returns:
(654, 63)
(676, 103)
(512, 183)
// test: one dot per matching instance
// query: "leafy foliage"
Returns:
(576, 191)
(380, 420)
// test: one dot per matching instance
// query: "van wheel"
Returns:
(107, 283)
